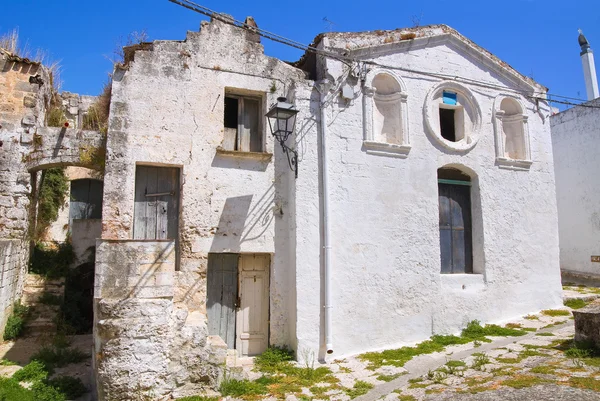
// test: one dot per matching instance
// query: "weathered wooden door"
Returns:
(221, 295)
(455, 228)
(156, 214)
(86, 200)
(253, 313)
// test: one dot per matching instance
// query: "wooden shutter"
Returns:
(156, 214)
(221, 295)
(455, 228)
(86, 199)
(249, 134)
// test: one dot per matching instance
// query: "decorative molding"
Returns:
(258, 156)
(386, 149)
(499, 118)
(513, 164)
(470, 108)
(370, 145)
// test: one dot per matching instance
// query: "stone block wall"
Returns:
(75, 106)
(25, 91)
(139, 331)
(13, 267)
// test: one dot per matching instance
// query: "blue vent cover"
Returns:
(449, 98)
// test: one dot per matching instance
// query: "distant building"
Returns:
(575, 139)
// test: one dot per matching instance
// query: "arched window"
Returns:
(385, 114)
(512, 133)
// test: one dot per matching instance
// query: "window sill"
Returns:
(513, 164)
(386, 149)
(259, 156)
(462, 282)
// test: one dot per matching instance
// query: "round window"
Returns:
(452, 116)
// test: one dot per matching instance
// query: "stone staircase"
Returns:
(41, 316)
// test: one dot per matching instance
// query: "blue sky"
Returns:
(538, 38)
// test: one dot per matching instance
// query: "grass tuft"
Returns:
(575, 303)
(556, 312)
(56, 357)
(522, 381)
(33, 371)
(360, 388)
(16, 322)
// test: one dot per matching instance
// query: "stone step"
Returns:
(36, 280)
(37, 327)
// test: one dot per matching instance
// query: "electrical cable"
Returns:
(346, 59)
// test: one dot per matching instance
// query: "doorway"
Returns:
(456, 245)
(238, 301)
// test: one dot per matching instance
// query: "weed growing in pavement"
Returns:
(556, 312)
(575, 303)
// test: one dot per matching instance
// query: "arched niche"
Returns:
(385, 117)
(452, 116)
(511, 133)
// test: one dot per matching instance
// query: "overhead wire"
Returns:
(543, 96)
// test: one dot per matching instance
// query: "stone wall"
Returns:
(144, 343)
(167, 110)
(575, 136)
(13, 267)
(25, 92)
(75, 107)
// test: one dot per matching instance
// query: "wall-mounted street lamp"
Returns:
(282, 119)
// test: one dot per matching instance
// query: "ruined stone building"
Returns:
(29, 148)
(424, 199)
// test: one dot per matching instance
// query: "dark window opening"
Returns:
(447, 127)
(231, 112)
(242, 128)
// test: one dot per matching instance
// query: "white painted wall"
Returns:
(167, 110)
(387, 286)
(575, 134)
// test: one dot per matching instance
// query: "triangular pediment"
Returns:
(376, 44)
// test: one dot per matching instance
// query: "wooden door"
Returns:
(253, 313)
(156, 214)
(221, 295)
(85, 200)
(455, 228)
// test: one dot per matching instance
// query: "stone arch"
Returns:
(385, 114)
(511, 133)
(62, 147)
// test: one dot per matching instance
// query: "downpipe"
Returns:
(323, 88)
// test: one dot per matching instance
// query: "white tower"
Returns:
(589, 69)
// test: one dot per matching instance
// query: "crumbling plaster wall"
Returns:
(390, 253)
(575, 134)
(167, 110)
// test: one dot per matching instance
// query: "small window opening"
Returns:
(449, 98)
(447, 126)
(231, 112)
(242, 123)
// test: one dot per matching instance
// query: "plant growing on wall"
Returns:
(52, 194)
(16, 322)
(96, 118)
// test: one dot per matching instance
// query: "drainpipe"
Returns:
(323, 88)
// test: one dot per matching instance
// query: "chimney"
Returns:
(589, 69)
